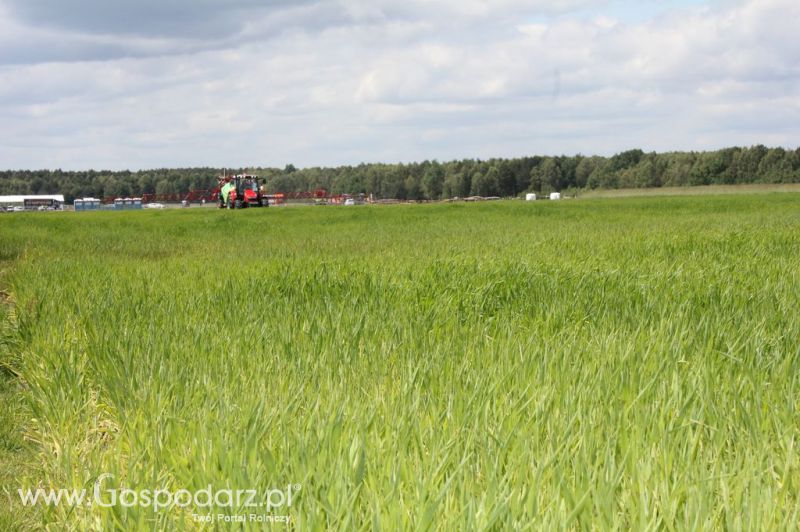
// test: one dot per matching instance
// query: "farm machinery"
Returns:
(241, 191)
(237, 192)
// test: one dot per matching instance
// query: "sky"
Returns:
(137, 84)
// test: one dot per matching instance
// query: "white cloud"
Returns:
(334, 82)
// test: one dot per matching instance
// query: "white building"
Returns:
(32, 202)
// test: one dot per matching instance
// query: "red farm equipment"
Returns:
(241, 191)
(235, 192)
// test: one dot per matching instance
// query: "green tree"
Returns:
(485, 184)
(506, 179)
(433, 181)
(545, 177)
(585, 167)
(413, 187)
(745, 164)
(452, 185)
(775, 167)
(677, 170)
(116, 188)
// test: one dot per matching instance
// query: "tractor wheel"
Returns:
(239, 204)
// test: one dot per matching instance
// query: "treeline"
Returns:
(435, 180)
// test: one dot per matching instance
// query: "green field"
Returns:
(700, 190)
(590, 364)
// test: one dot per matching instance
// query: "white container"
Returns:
(530, 197)
(555, 195)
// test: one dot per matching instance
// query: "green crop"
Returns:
(590, 364)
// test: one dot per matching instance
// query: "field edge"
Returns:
(17, 454)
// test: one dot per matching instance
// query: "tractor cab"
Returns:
(241, 191)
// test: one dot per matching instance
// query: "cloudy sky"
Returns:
(152, 83)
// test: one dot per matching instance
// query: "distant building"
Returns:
(32, 202)
(87, 204)
(126, 204)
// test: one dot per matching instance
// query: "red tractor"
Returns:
(241, 191)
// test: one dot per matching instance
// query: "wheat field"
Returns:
(580, 365)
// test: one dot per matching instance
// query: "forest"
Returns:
(433, 180)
